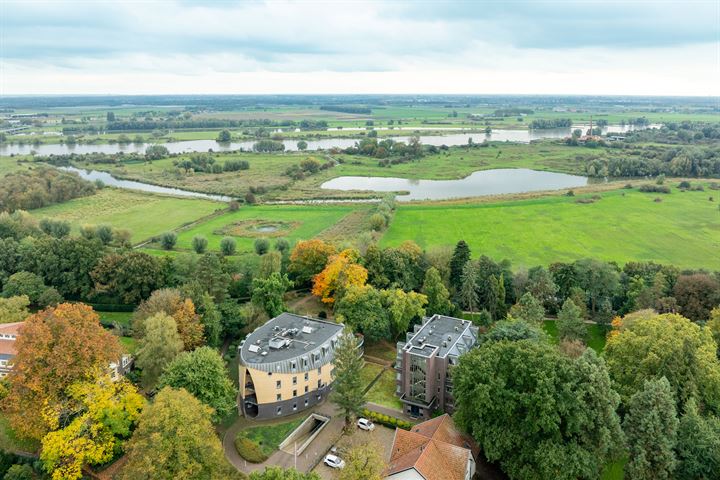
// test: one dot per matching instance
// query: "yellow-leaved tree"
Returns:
(341, 272)
(103, 415)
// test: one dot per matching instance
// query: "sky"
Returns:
(279, 47)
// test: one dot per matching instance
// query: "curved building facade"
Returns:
(286, 365)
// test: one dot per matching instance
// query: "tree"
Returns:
(438, 297)
(168, 240)
(103, 414)
(160, 345)
(202, 373)
(211, 276)
(467, 293)
(377, 222)
(199, 244)
(268, 293)
(537, 412)
(110, 117)
(170, 301)
(270, 263)
(348, 387)
(278, 473)
(570, 324)
(698, 444)
(361, 309)
(651, 429)
(104, 233)
(282, 245)
(224, 136)
(132, 276)
(228, 246)
(211, 319)
(363, 461)
(529, 309)
(671, 346)
(175, 440)
(59, 346)
(341, 272)
(696, 295)
(540, 284)
(26, 284)
(513, 330)
(262, 245)
(307, 259)
(460, 257)
(20, 472)
(598, 279)
(302, 145)
(402, 308)
(14, 309)
(714, 326)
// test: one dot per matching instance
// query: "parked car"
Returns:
(366, 424)
(334, 461)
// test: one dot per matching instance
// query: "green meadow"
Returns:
(624, 225)
(293, 222)
(143, 214)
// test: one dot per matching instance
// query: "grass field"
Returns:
(121, 318)
(144, 215)
(683, 229)
(295, 222)
(383, 392)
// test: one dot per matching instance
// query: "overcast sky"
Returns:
(193, 46)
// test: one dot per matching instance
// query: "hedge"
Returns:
(387, 420)
(249, 450)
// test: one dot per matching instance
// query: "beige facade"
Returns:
(269, 387)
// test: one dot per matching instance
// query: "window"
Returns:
(306, 388)
(279, 410)
(294, 393)
(294, 380)
(307, 376)
(293, 365)
(306, 402)
(278, 397)
(269, 374)
(294, 406)
(319, 383)
(278, 384)
(320, 371)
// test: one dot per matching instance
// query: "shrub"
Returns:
(104, 233)
(234, 206)
(282, 245)
(377, 222)
(199, 244)
(684, 184)
(168, 240)
(262, 245)
(655, 188)
(228, 246)
(250, 198)
(249, 450)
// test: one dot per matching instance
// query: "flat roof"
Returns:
(295, 335)
(439, 331)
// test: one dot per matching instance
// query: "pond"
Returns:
(453, 139)
(109, 180)
(480, 183)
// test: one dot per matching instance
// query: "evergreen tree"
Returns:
(570, 323)
(467, 294)
(438, 296)
(160, 345)
(698, 445)
(347, 384)
(528, 308)
(651, 428)
(459, 259)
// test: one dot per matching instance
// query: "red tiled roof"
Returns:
(11, 328)
(434, 448)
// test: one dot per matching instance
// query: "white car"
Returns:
(334, 461)
(366, 424)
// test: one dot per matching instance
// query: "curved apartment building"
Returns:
(286, 365)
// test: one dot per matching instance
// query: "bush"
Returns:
(684, 185)
(262, 245)
(386, 420)
(377, 222)
(655, 188)
(199, 244)
(234, 206)
(49, 298)
(104, 233)
(282, 245)
(228, 246)
(250, 198)
(249, 450)
(168, 240)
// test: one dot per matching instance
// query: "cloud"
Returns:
(191, 39)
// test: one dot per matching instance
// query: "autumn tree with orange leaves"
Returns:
(341, 272)
(182, 310)
(307, 259)
(56, 348)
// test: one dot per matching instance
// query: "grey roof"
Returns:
(290, 342)
(443, 336)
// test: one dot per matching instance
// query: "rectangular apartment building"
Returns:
(423, 362)
(286, 365)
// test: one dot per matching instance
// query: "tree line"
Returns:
(41, 187)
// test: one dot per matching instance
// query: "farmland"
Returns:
(144, 215)
(683, 229)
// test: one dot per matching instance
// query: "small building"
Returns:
(432, 450)
(9, 332)
(424, 360)
(286, 365)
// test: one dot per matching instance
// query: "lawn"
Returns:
(369, 372)
(143, 214)
(110, 318)
(624, 225)
(293, 222)
(383, 392)
(595, 340)
(129, 344)
(269, 437)
(382, 350)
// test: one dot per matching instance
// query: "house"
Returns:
(286, 365)
(432, 450)
(423, 362)
(9, 333)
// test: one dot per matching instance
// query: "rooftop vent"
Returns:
(449, 338)
(254, 348)
(278, 342)
(263, 353)
(307, 329)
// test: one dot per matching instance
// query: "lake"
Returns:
(453, 139)
(109, 180)
(480, 183)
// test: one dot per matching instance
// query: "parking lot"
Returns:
(382, 436)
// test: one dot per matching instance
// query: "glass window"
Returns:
(294, 393)
(278, 397)
(278, 384)
(294, 380)
(279, 410)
